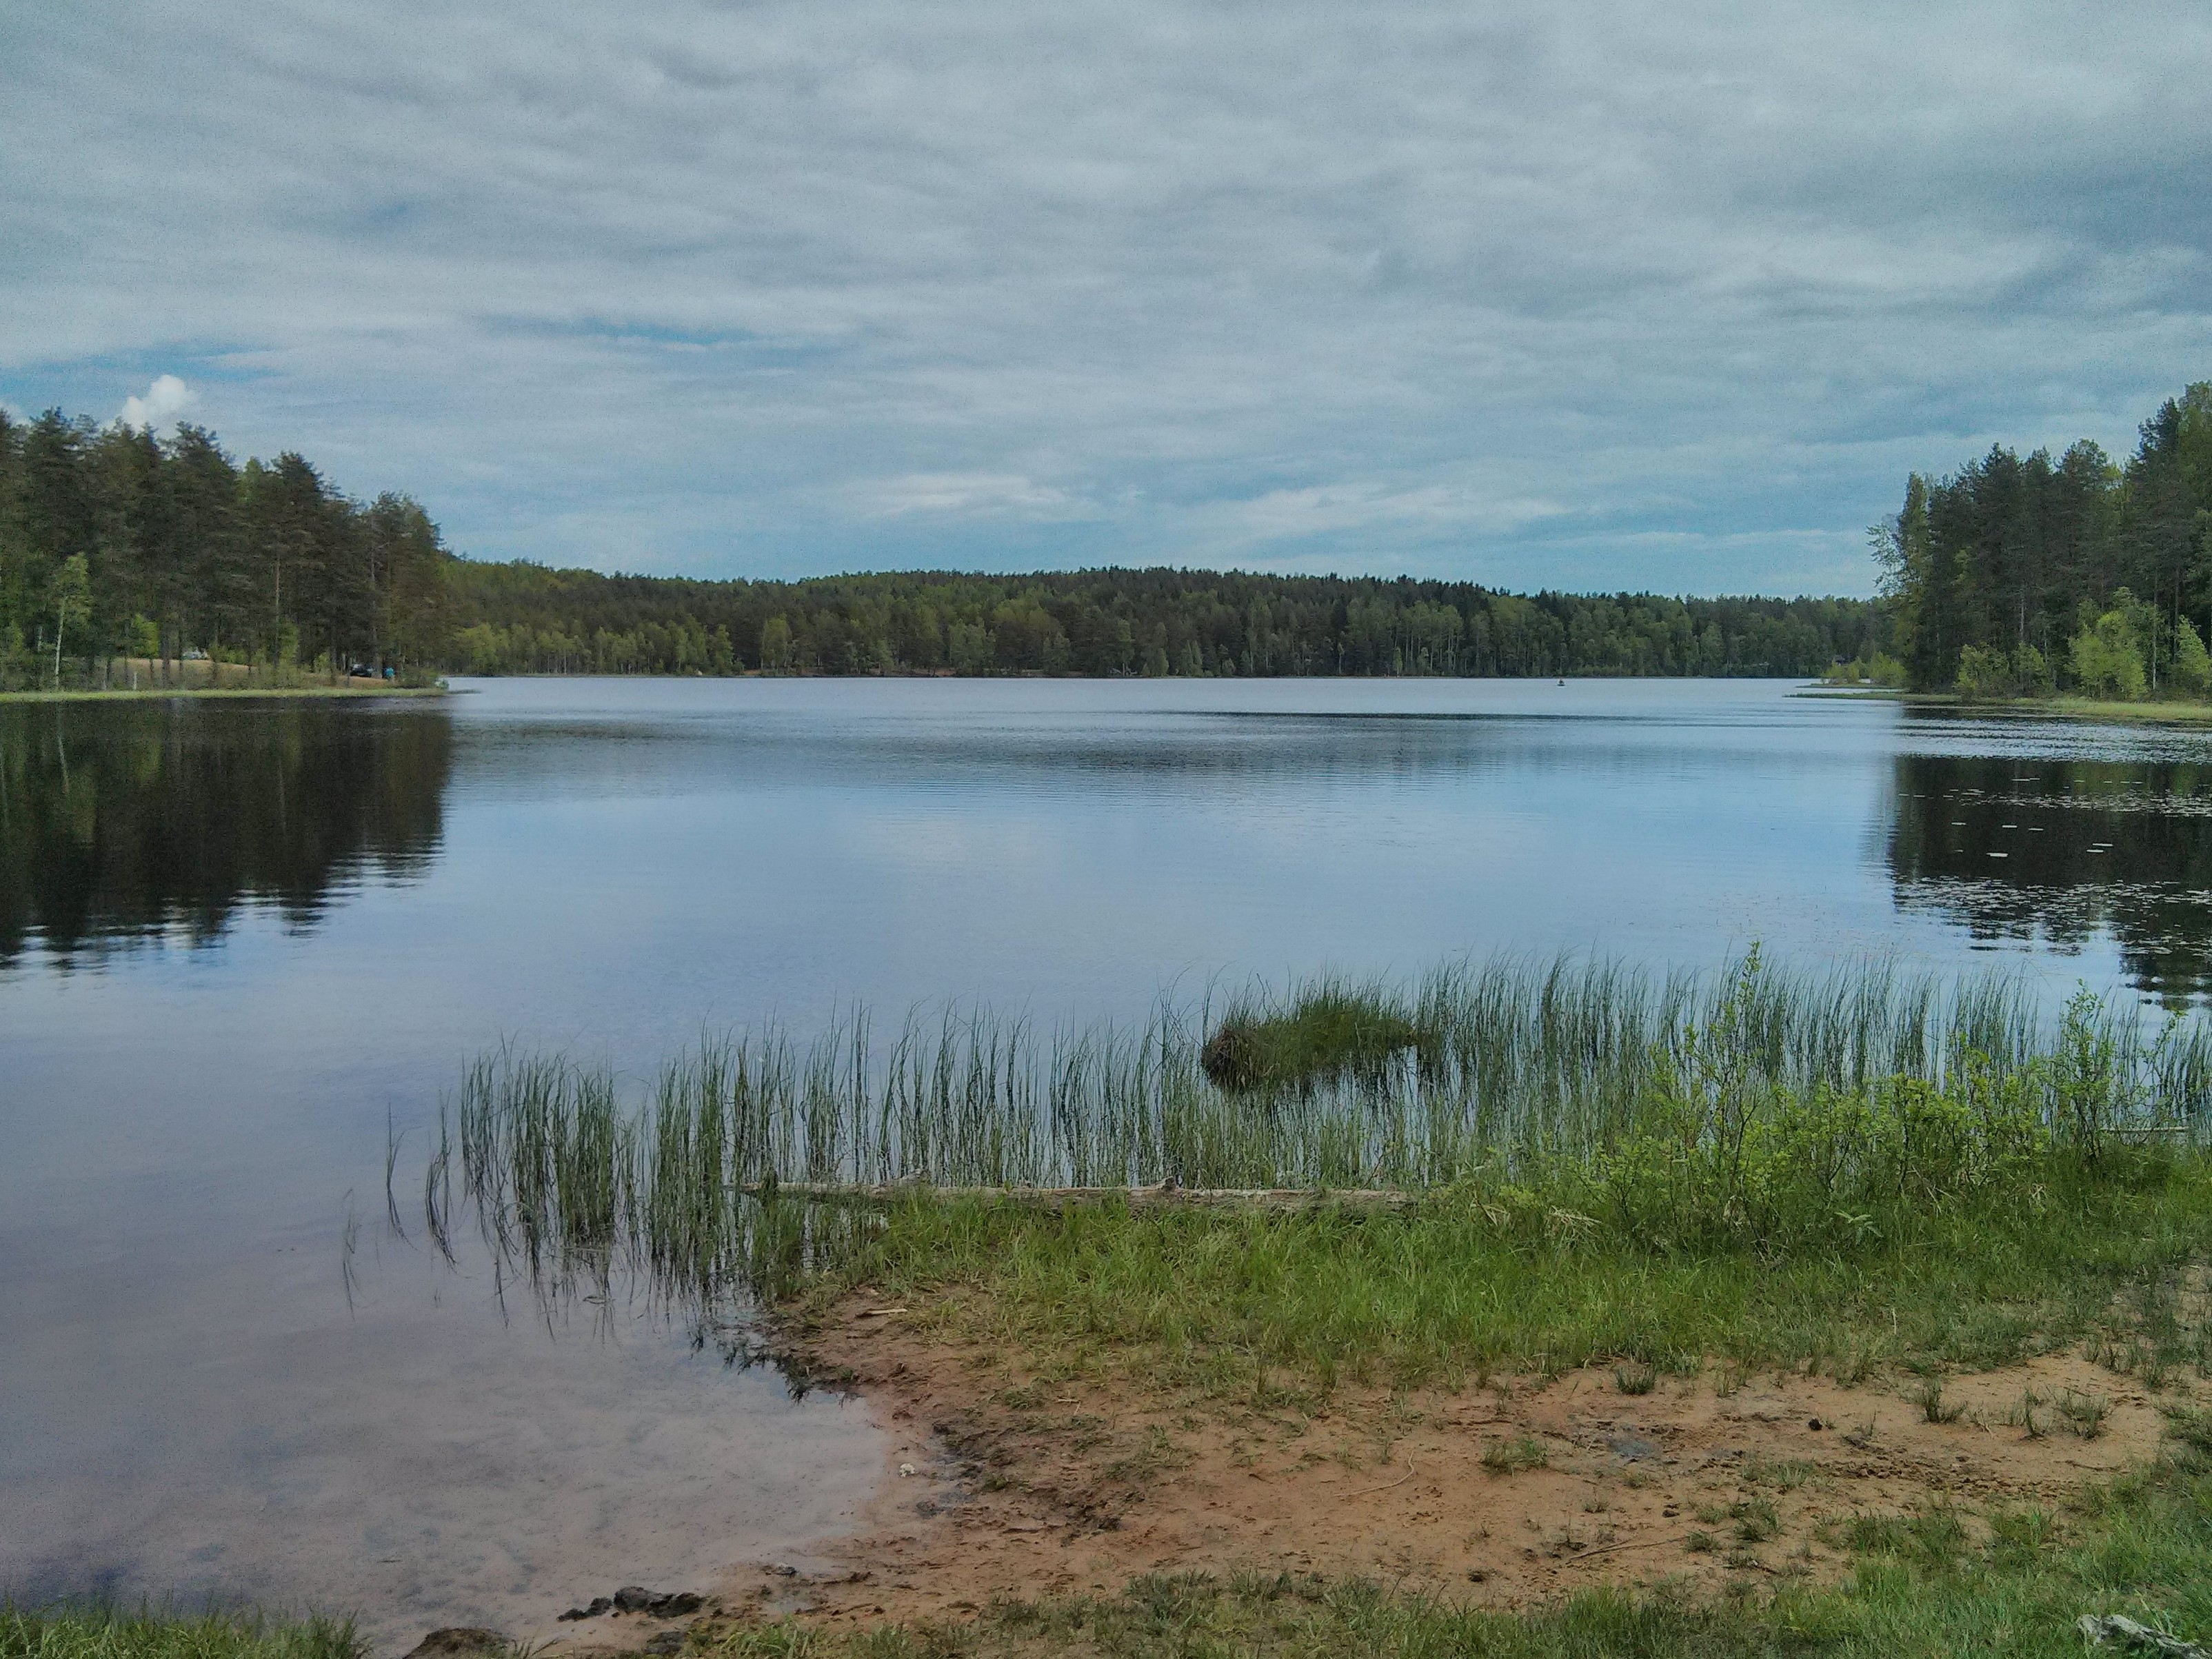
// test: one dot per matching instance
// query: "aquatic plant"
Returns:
(1754, 1103)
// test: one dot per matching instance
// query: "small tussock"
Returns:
(1326, 1033)
(1514, 1456)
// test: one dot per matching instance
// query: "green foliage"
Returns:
(775, 645)
(2106, 658)
(523, 618)
(2192, 664)
(2009, 556)
(112, 543)
(1879, 670)
(1988, 674)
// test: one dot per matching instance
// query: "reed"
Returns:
(1647, 1102)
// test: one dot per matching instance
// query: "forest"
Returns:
(118, 548)
(120, 551)
(523, 618)
(2021, 577)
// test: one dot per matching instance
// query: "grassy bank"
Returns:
(93, 1632)
(1861, 1175)
(1512, 1280)
(1851, 1172)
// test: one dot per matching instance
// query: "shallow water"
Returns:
(235, 942)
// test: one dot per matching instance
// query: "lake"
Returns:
(242, 945)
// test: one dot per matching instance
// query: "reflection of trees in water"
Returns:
(2061, 850)
(122, 822)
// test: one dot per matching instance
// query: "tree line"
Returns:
(121, 549)
(117, 548)
(2018, 577)
(522, 619)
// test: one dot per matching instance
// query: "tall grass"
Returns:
(1600, 1075)
(105, 1632)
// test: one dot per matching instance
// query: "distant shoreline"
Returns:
(2079, 709)
(226, 693)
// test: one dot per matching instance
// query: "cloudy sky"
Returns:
(1593, 295)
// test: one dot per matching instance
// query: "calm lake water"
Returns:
(238, 941)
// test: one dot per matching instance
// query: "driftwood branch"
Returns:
(1139, 1198)
(2122, 1631)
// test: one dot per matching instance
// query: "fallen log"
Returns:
(1168, 1195)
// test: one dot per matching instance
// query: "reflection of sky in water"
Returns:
(184, 1399)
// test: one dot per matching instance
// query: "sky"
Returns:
(1592, 296)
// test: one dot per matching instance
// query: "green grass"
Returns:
(2013, 1584)
(1513, 1065)
(1462, 1285)
(1323, 1033)
(1606, 1165)
(92, 1632)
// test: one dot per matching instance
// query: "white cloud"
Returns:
(157, 411)
(791, 286)
(968, 493)
(1321, 509)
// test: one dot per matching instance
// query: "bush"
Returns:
(2105, 656)
(1987, 673)
(2192, 664)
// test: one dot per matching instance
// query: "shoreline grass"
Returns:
(1858, 1175)
(93, 1630)
(1854, 1172)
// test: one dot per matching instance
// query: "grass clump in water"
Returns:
(1323, 1033)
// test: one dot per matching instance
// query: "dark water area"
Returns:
(2068, 854)
(142, 822)
(241, 945)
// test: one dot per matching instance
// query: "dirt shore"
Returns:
(1517, 1492)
